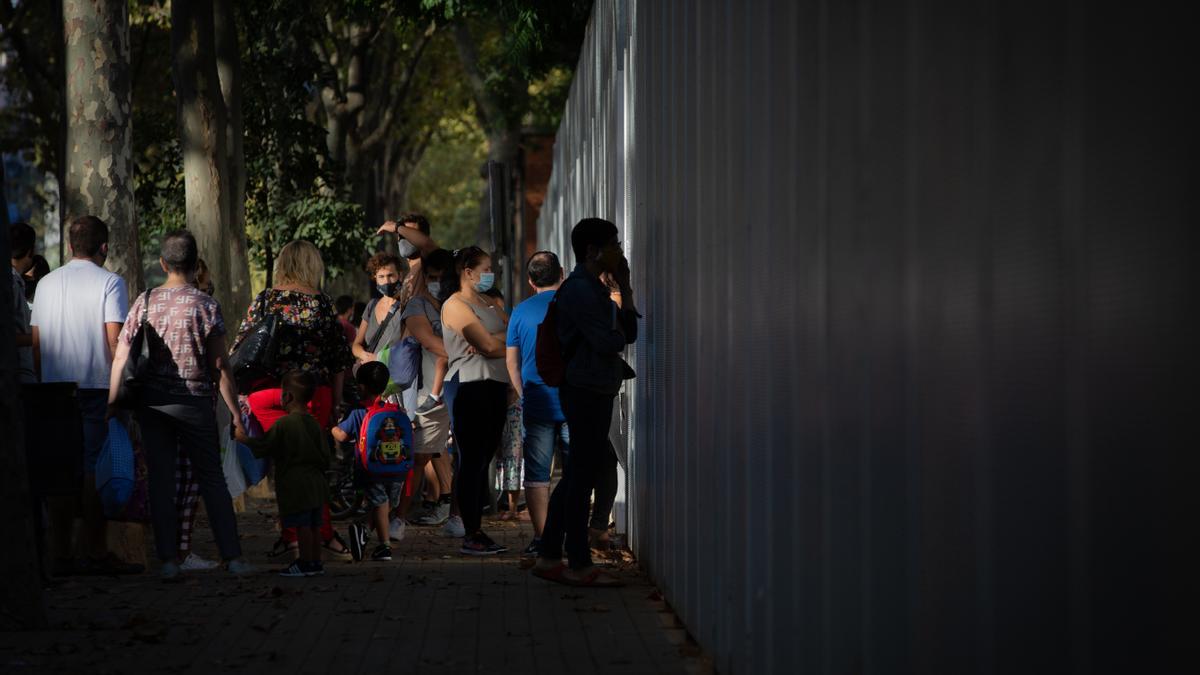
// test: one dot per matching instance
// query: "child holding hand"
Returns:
(301, 455)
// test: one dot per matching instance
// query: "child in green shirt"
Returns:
(301, 454)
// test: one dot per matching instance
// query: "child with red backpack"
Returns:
(384, 449)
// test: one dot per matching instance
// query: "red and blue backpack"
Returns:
(385, 441)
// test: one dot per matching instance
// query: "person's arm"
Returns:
(461, 318)
(260, 446)
(114, 377)
(218, 360)
(339, 435)
(112, 331)
(359, 348)
(627, 314)
(417, 238)
(513, 360)
(420, 328)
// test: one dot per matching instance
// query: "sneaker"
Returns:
(429, 405)
(239, 567)
(169, 571)
(381, 552)
(194, 563)
(438, 515)
(396, 530)
(481, 544)
(454, 527)
(315, 569)
(296, 569)
(533, 549)
(358, 541)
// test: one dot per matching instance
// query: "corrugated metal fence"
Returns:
(917, 283)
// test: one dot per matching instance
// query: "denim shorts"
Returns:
(540, 440)
(309, 518)
(380, 492)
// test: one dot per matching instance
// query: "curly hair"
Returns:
(381, 260)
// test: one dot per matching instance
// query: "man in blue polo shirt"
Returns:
(545, 425)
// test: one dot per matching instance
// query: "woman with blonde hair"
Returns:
(311, 340)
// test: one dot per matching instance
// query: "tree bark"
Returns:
(99, 157)
(202, 130)
(21, 603)
(229, 70)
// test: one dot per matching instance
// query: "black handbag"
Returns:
(133, 375)
(253, 362)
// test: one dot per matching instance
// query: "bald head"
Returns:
(545, 271)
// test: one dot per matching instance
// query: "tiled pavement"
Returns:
(429, 611)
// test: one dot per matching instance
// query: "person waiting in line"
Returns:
(593, 329)
(431, 420)
(544, 424)
(313, 342)
(301, 454)
(413, 240)
(76, 320)
(474, 329)
(175, 411)
(382, 492)
(187, 488)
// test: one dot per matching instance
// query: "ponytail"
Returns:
(464, 258)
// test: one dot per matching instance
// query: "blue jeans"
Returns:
(540, 440)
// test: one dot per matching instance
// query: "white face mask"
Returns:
(435, 288)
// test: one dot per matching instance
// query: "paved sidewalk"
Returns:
(429, 611)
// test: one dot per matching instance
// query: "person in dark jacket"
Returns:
(596, 319)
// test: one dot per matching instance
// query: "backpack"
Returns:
(549, 355)
(385, 441)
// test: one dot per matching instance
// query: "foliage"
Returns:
(446, 186)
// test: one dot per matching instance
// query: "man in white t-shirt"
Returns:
(77, 316)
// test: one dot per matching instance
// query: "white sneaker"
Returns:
(194, 563)
(436, 516)
(396, 530)
(454, 528)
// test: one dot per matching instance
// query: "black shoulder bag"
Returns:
(133, 374)
(253, 362)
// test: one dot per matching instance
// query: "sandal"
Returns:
(280, 547)
(596, 578)
(555, 574)
(341, 554)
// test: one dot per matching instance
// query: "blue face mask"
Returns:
(486, 279)
(435, 288)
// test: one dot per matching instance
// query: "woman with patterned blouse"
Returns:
(312, 341)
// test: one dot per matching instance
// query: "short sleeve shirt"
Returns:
(73, 304)
(540, 400)
(181, 319)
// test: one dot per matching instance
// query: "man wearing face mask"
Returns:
(77, 317)
(381, 324)
(413, 241)
(595, 321)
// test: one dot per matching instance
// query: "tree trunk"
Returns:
(229, 70)
(99, 158)
(21, 604)
(202, 124)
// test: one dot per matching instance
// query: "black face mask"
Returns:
(389, 289)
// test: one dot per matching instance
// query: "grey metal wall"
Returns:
(917, 359)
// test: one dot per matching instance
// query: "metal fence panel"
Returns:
(916, 285)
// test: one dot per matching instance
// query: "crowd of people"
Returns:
(429, 384)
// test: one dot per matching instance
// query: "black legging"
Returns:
(480, 411)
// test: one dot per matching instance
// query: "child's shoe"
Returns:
(314, 569)
(382, 552)
(454, 527)
(429, 405)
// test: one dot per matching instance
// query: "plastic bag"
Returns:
(115, 470)
(232, 468)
